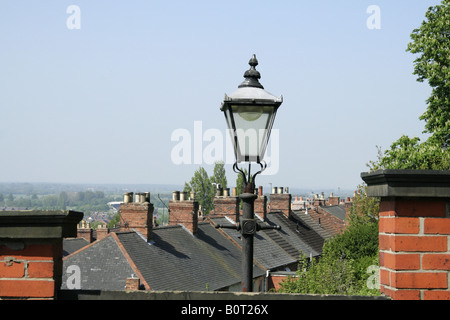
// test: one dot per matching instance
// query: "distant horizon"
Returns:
(176, 187)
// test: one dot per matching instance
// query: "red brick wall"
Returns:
(31, 272)
(132, 284)
(86, 233)
(227, 207)
(414, 237)
(281, 202)
(261, 206)
(184, 213)
(328, 221)
(137, 216)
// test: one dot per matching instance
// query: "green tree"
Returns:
(409, 153)
(432, 43)
(114, 221)
(202, 186)
(343, 266)
(219, 174)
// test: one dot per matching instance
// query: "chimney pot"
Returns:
(183, 196)
(176, 195)
(128, 197)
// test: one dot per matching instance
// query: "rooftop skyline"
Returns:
(99, 92)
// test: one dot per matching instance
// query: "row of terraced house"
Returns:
(190, 253)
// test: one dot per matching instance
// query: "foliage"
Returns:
(204, 187)
(219, 174)
(364, 209)
(84, 201)
(409, 153)
(114, 221)
(343, 266)
(432, 43)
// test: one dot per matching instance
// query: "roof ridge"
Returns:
(87, 246)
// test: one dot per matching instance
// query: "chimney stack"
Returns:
(85, 231)
(137, 215)
(132, 284)
(333, 200)
(101, 231)
(260, 206)
(183, 211)
(227, 206)
(281, 201)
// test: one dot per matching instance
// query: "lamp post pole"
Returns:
(249, 108)
(248, 219)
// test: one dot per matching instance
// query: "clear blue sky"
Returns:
(99, 104)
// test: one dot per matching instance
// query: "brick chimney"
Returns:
(183, 212)
(137, 215)
(132, 284)
(414, 232)
(280, 201)
(101, 231)
(333, 200)
(261, 204)
(85, 231)
(227, 206)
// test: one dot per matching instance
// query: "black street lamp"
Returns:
(250, 112)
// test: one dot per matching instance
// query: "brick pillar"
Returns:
(281, 202)
(137, 216)
(414, 232)
(184, 212)
(31, 252)
(227, 207)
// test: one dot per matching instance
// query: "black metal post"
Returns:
(248, 226)
(248, 230)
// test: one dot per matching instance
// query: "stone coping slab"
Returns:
(36, 224)
(408, 183)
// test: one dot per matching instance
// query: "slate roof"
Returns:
(174, 260)
(337, 211)
(300, 231)
(70, 245)
(178, 260)
(270, 254)
(102, 264)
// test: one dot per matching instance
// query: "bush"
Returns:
(342, 269)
